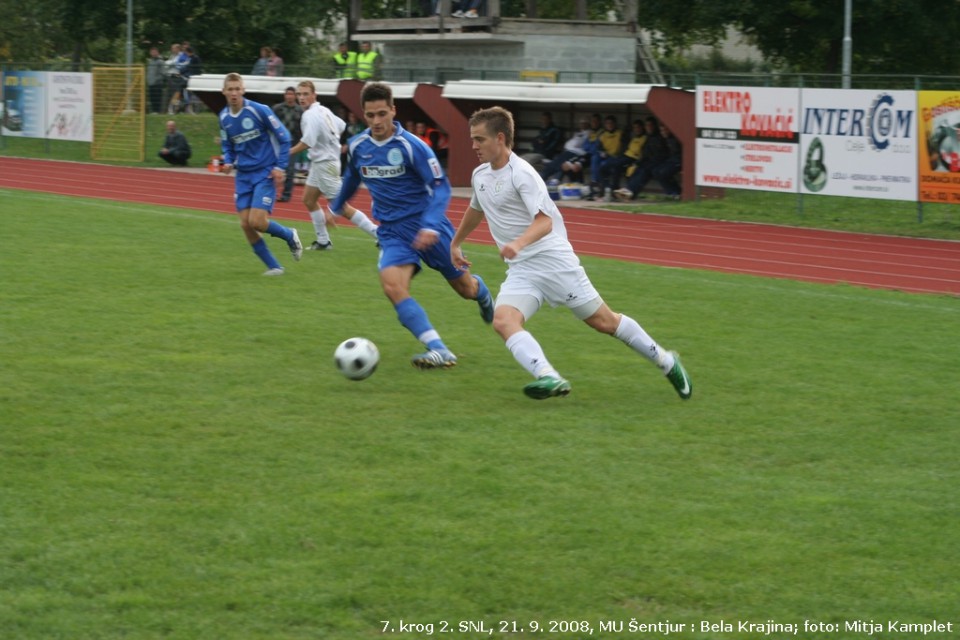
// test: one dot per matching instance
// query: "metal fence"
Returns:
(683, 80)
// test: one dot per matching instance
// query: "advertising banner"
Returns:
(939, 156)
(48, 104)
(23, 104)
(747, 138)
(859, 143)
(69, 106)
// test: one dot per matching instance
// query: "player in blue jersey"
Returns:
(410, 196)
(257, 145)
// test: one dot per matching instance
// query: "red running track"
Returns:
(906, 264)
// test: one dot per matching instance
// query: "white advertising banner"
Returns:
(860, 143)
(69, 106)
(48, 104)
(747, 138)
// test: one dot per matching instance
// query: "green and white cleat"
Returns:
(679, 378)
(435, 359)
(547, 387)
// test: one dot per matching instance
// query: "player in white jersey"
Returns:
(542, 267)
(321, 135)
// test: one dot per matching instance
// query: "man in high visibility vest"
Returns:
(345, 62)
(368, 63)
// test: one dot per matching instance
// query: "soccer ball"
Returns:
(356, 358)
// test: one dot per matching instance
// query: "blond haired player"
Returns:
(542, 267)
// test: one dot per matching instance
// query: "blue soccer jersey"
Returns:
(254, 139)
(403, 176)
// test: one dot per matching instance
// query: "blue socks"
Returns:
(277, 230)
(414, 318)
(263, 252)
(482, 290)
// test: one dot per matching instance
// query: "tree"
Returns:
(889, 36)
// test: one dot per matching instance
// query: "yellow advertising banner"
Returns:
(939, 143)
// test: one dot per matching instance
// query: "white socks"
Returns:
(527, 351)
(633, 335)
(364, 223)
(320, 226)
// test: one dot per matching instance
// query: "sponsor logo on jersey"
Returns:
(247, 135)
(374, 171)
(435, 168)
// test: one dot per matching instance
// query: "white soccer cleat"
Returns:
(296, 248)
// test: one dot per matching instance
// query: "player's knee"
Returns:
(395, 292)
(604, 320)
(466, 286)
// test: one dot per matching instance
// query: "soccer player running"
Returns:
(410, 196)
(321, 135)
(541, 264)
(256, 143)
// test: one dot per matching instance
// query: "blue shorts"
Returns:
(396, 240)
(255, 190)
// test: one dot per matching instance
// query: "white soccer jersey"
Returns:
(321, 132)
(510, 198)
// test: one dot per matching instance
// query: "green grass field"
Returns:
(180, 458)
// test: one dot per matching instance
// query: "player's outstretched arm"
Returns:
(470, 221)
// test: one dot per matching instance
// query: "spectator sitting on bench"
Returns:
(623, 165)
(654, 154)
(667, 171)
(609, 145)
(547, 144)
(574, 156)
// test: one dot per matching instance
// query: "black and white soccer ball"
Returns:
(356, 358)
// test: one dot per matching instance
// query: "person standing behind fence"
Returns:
(369, 63)
(260, 66)
(175, 82)
(344, 62)
(274, 64)
(257, 144)
(156, 80)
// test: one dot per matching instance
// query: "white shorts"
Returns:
(325, 176)
(528, 290)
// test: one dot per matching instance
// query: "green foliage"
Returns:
(803, 36)
(182, 461)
